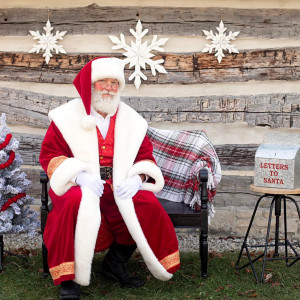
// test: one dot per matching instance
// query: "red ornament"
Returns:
(6, 142)
(9, 161)
(12, 200)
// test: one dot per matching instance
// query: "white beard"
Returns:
(107, 105)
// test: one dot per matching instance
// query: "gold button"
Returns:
(103, 147)
(101, 157)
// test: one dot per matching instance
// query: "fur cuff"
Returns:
(63, 176)
(151, 169)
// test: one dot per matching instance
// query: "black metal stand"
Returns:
(8, 252)
(277, 200)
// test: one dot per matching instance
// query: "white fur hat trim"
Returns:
(108, 68)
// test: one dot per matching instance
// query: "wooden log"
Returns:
(75, 62)
(203, 76)
(236, 156)
(173, 62)
(232, 156)
(260, 65)
(274, 110)
(28, 108)
(259, 23)
(250, 59)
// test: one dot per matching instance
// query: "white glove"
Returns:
(90, 181)
(129, 187)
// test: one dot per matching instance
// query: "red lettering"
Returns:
(273, 180)
(273, 166)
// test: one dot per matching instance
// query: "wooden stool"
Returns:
(278, 196)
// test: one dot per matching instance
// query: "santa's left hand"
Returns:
(129, 187)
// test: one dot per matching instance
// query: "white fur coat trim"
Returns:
(151, 169)
(130, 130)
(62, 178)
(68, 118)
(87, 226)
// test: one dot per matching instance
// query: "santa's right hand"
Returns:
(90, 181)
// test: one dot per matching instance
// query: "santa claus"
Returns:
(102, 178)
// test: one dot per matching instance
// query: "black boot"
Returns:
(114, 266)
(69, 290)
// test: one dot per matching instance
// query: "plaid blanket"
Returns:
(180, 154)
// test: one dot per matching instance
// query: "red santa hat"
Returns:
(96, 69)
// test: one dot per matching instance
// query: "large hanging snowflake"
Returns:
(220, 41)
(47, 42)
(138, 54)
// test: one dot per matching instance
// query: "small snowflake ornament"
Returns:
(220, 41)
(47, 42)
(139, 54)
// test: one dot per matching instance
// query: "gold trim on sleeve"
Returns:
(171, 260)
(54, 163)
(67, 268)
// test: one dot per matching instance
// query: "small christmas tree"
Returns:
(15, 214)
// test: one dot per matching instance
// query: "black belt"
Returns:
(105, 173)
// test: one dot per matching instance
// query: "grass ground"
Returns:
(26, 281)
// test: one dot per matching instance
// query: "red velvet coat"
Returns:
(70, 148)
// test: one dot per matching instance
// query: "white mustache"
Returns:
(107, 92)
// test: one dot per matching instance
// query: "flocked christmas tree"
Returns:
(16, 216)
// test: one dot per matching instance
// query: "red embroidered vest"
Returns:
(106, 153)
(106, 146)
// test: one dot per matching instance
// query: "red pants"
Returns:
(60, 230)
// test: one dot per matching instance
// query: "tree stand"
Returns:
(8, 252)
(278, 198)
(1, 252)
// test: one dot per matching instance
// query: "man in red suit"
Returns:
(102, 179)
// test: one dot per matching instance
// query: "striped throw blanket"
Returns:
(180, 154)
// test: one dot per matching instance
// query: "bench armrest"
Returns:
(203, 174)
(44, 199)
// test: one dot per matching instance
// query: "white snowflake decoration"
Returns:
(47, 42)
(138, 54)
(220, 41)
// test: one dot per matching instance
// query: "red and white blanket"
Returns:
(180, 154)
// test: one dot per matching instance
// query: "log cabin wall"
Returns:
(237, 101)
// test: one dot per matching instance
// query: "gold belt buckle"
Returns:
(108, 172)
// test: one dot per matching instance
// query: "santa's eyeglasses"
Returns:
(113, 83)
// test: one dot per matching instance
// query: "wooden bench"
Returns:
(180, 214)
